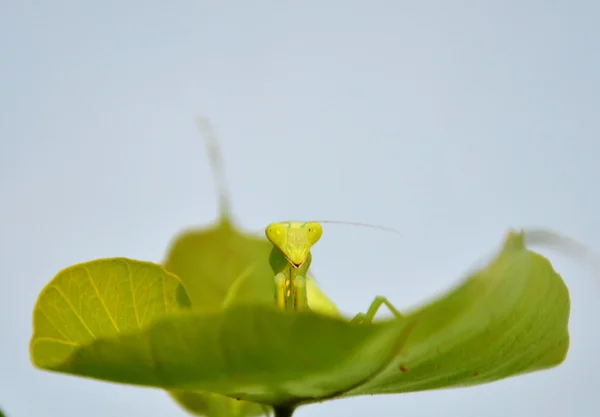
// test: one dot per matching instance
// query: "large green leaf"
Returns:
(253, 353)
(508, 318)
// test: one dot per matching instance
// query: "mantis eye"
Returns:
(314, 232)
(275, 234)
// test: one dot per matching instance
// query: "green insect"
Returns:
(290, 259)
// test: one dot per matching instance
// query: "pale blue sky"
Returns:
(451, 121)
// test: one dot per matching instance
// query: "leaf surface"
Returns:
(97, 300)
(509, 318)
(253, 353)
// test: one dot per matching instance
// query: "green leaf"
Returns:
(104, 298)
(509, 318)
(128, 321)
(253, 353)
(209, 260)
(97, 300)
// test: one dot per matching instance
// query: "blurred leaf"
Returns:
(509, 318)
(209, 260)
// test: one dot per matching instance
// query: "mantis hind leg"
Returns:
(372, 311)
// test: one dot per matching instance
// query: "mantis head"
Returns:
(294, 239)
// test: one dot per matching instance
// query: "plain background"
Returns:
(451, 121)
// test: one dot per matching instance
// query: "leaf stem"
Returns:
(216, 162)
(283, 411)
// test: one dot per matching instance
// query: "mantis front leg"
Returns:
(290, 292)
(372, 311)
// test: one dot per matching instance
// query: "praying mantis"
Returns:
(290, 259)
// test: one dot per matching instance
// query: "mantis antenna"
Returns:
(367, 225)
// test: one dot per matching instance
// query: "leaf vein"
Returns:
(41, 310)
(89, 275)
(135, 309)
(59, 291)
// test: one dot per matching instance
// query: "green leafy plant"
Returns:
(204, 327)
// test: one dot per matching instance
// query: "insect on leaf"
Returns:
(509, 318)
(205, 328)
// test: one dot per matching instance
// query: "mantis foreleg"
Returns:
(280, 288)
(290, 293)
(301, 298)
(372, 311)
